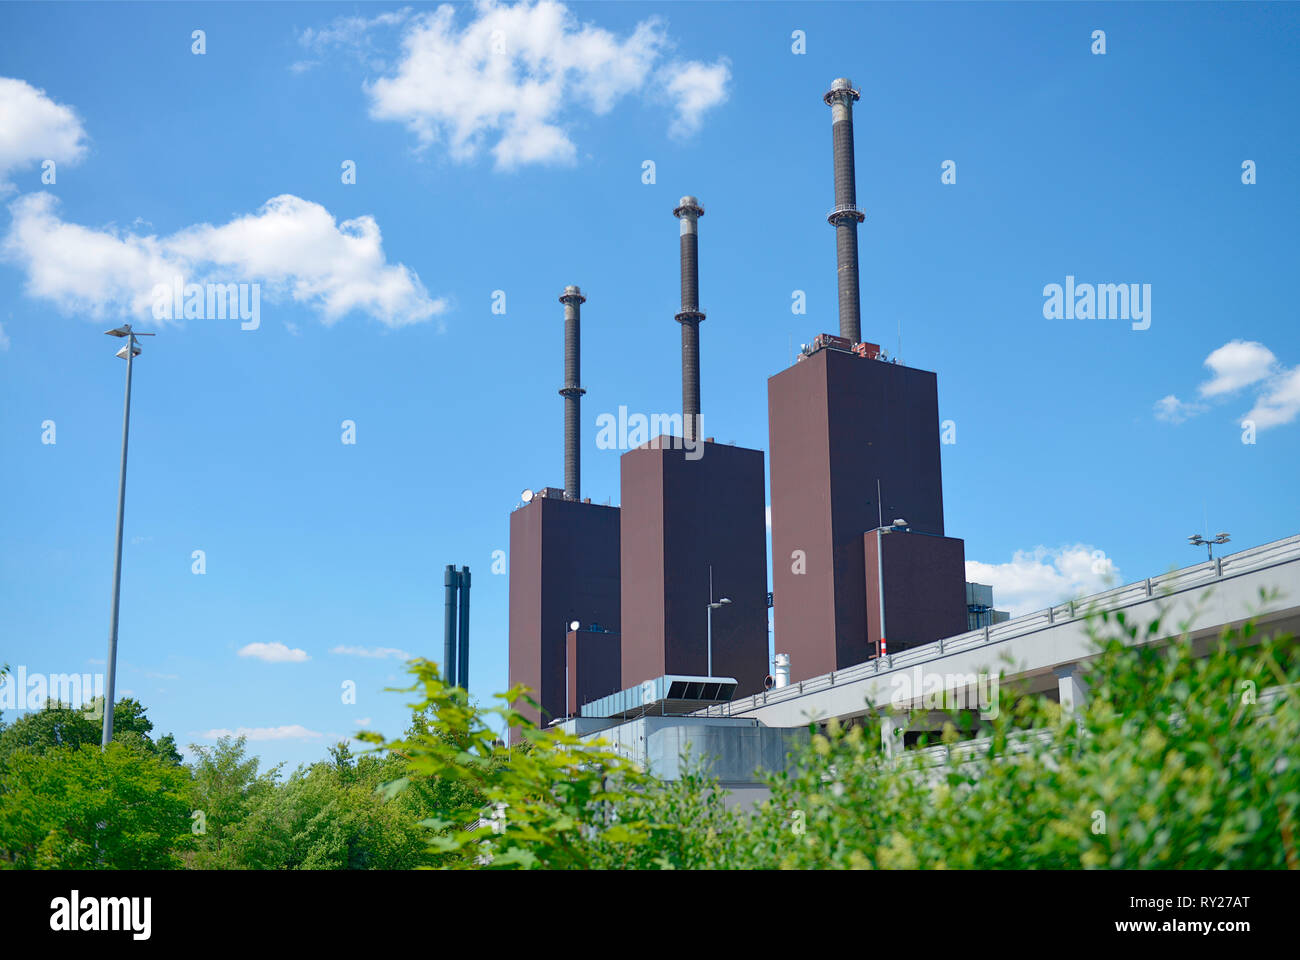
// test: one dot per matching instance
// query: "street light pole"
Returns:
(898, 526)
(570, 626)
(880, 577)
(713, 606)
(128, 352)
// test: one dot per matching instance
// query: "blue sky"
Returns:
(501, 149)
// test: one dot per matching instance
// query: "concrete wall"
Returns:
(736, 751)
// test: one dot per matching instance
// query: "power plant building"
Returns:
(685, 522)
(694, 531)
(564, 562)
(862, 565)
(854, 445)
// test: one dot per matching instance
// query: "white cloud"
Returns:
(362, 721)
(4, 338)
(291, 732)
(1038, 578)
(353, 35)
(33, 128)
(374, 653)
(291, 246)
(515, 76)
(1237, 364)
(275, 652)
(696, 88)
(1172, 410)
(769, 516)
(1279, 403)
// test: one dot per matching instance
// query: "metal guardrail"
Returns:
(1023, 741)
(1201, 574)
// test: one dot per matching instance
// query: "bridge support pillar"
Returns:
(891, 734)
(1072, 687)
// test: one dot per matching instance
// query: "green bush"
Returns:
(77, 807)
(1173, 762)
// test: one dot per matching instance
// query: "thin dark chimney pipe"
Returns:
(846, 216)
(572, 299)
(462, 660)
(689, 211)
(451, 579)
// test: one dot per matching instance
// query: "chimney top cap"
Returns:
(688, 204)
(571, 292)
(572, 288)
(841, 89)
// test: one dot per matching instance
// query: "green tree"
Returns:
(226, 786)
(60, 725)
(328, 816)
(555, 802)
(80, 807)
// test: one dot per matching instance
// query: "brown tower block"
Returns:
(564, 566)
(679, 516)
(837, 424)
(923, 588)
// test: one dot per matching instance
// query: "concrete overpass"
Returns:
(1042, 649)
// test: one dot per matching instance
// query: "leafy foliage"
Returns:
(60, 725)
(328, 816)
(77, 807)
(555, 802)
(1184, 755)
(1174, 763)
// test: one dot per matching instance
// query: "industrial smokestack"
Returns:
(462, 660)
(846, 216)
(572, 299)
(689, 211)
(451, 579)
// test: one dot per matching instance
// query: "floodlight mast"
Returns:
(1196, 540)
(129, 351)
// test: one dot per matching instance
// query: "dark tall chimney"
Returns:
(846, 216)
(572, 299)
(689, 211)
(451, 579)
(462, 660)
